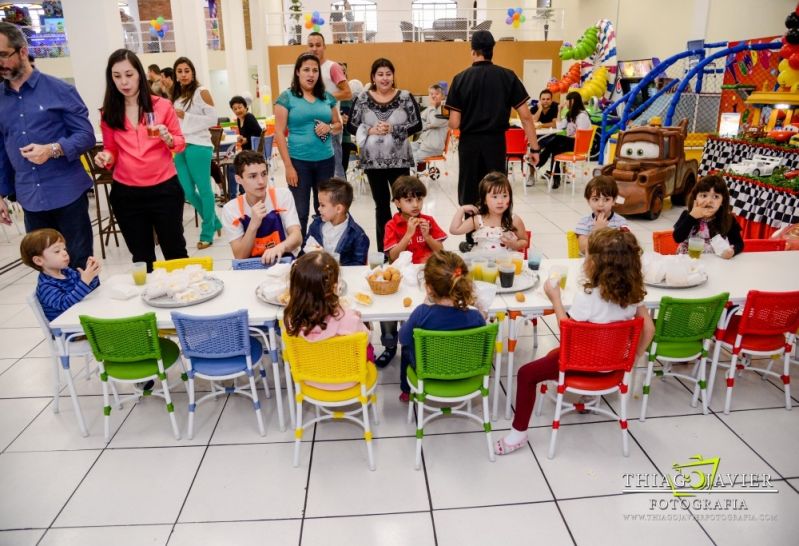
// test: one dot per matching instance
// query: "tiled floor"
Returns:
(230, 486)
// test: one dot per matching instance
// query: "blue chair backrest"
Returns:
(255, 263)
(215, 336)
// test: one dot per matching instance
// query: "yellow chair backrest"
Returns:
(339, 359)
(207, 263)
(572, 246)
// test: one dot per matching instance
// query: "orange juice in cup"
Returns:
(518, 262)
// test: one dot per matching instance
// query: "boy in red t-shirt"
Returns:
(411, 230)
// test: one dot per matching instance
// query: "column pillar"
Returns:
(266, 28)
(94, 31)
(235, 47)
(188, 22)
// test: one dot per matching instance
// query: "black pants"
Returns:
(73, 222)
(380, 181)
(556, 144)
(140, 210)
(478, 155)
(346, 149)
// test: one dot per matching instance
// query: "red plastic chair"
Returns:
(515, 149)
(596, 359)
(529, 243)
(766, 327)
(764, 245)
(663, 242)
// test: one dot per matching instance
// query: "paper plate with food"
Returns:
(672, 271)
(278, 293)
(181, 288)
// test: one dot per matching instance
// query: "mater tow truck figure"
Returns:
(650, 165)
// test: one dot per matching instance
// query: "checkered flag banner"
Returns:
(758, 203)
(720, 153)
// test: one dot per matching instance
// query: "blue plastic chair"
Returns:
(217, 348)
(255, 263)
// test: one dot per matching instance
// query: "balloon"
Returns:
(793, 61)
(153, 32)
(316, 14)
(307, 16)
(788, 50)
(510, 12)
(165, 27)
(308, 25)
(792, 21)
(157, 26)
(153, 22)
(160, 20)
(509, 20)
(519, 11)
(563, 87)
(321, 21)
(161, 33)
(515, 16)
(792, 36)
(316, 28)
(523, 18)
(783, 66)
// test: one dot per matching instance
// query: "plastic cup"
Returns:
(376, 259)
(139, 272)
(477, 269)
(506, 274)
(559, 274)
(503, 259)
(518, 262)
(534, 260)
(490, 272)
(696, 245)
(152, 130)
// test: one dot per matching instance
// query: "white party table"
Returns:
(766, 271)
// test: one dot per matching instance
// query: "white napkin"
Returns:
(404, 259)
(719, 244)
(278, 271)
(123, 292)
(312, 245)
(484, 293)
(410, 275)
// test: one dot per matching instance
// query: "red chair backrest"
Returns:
(770, 313)
(592, 347)
(764, 245)
(663, 242)
(515, 142)
(529, 242)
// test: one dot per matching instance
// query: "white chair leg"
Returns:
(170, 407)
(410, 407)
(730, 384)
(289, 391)
(264, 381)
(647, 385)
(298, 434)
(56, 380)
(713, 367)
(625, 435)
(192, 408)
(76, 406)
(553, 437)
(786, 379)
(257, 405)
(375, 419)
(281, 419)
(497, 373)
(106, 412)
(487, 427)
(367, 435)
(419, 432)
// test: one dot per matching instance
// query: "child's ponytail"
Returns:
(447, 276)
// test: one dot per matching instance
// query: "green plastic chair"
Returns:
(683, 331)
(451, 367)
(128, 350)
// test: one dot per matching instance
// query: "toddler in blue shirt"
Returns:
(59, 287)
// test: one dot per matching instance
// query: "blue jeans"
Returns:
(232, 185)
(309, 174)
(74, 224)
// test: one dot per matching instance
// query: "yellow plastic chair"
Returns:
(207, 263)
(337, 360)
(572, 246)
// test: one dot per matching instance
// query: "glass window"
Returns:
(426, 11)
(362, 10)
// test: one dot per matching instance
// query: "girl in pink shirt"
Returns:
(140, 134)
(314, 311)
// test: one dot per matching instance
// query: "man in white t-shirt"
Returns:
(262, 221)
(335, 83)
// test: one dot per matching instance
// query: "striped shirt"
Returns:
(58, 295)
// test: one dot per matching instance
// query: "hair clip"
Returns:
(457, 273)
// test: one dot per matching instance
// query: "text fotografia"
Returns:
(699, 476)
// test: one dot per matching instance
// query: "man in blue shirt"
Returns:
(44, 129)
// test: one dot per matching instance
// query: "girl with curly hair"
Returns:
(613, 291)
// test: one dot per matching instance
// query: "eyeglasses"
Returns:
(5, 55)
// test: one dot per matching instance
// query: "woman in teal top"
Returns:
(311, 117)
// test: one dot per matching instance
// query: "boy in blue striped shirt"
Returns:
(59, 287)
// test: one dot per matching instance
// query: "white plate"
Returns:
(528, 279)
(217, 285)
(690, 285)
(342, 289)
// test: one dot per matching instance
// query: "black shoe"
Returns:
(148, 386)
(465, 246)
(385, 359)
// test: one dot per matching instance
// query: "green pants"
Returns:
(194, 172)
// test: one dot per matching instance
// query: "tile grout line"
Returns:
(307, 484)
(427, 487)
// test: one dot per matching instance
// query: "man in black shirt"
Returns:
(546, 114)
(479, 101)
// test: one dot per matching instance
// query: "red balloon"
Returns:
(793, 61)
(787, 50)
(563, 87)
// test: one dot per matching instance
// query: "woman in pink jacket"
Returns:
(140, 134)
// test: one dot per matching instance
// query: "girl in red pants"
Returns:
(613, 291)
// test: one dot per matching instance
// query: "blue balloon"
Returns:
(160, 33)
(321, 21)
(153, 32)
(316, 15)
(510, 12)
(519, 11)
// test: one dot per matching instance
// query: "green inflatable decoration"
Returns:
(584, 47)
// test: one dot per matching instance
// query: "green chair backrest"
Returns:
(127, 339)
(688, 319)
(456, 354)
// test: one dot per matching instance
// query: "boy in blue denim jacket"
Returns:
(334, 229)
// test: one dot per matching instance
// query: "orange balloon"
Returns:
(563, 87)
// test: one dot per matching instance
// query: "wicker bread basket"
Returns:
(384, 288)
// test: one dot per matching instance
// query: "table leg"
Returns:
(513, 317)
(497, 366)
(274, 356)
(63, 356)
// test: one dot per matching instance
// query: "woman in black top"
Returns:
(245, 121)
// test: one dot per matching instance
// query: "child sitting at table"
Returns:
(334, 229)
(492, 220)
(613, 291)
(314, 311)
(59, 286)
(601, 193)
(707, 215)
(410, 230)
(263, 221)
(451, 293)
